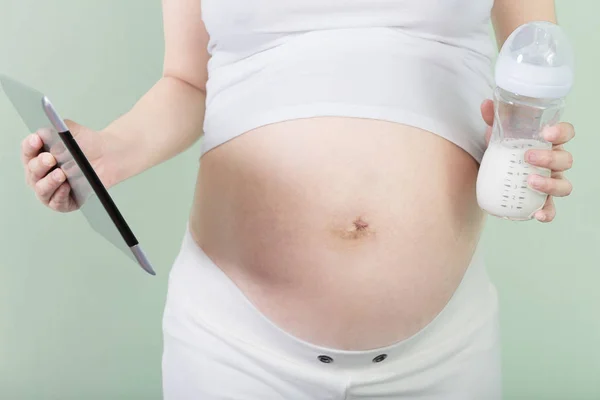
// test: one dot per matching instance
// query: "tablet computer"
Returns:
(94, 201)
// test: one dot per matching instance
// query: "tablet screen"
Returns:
(28, 103)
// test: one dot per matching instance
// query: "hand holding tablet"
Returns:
(87, 192)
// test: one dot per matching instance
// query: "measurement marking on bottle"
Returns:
(523, 187)
(504, 205)
(510, 173)
(507, 186)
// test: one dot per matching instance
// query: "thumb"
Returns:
(74, 127)
(487, 111)
(488, 135)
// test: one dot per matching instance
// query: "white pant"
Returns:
(217, 345)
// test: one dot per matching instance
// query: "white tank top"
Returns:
(424, 63)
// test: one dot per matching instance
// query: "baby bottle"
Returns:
(534, 73)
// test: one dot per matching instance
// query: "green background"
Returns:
(80, 321)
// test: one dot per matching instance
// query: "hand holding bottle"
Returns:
(557, 160)
(524, 161)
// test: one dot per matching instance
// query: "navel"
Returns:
(360, 225)
(358, 229)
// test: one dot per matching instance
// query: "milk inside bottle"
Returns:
(534, 74)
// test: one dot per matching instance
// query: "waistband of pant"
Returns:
(217, 301)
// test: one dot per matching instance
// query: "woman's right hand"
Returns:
(48, 181)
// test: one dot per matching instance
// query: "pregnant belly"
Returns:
(333, 226)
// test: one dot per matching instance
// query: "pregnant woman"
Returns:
(332, 247)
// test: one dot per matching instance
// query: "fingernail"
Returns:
(532, 157)
(551, 134)
(536, 180)
(58, 175)
(32, 140)
(47, 160)
(541, 216)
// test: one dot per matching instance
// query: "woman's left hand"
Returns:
(557, 160)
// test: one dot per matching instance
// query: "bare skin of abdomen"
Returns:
(334, 226)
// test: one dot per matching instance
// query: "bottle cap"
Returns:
(536, 61)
